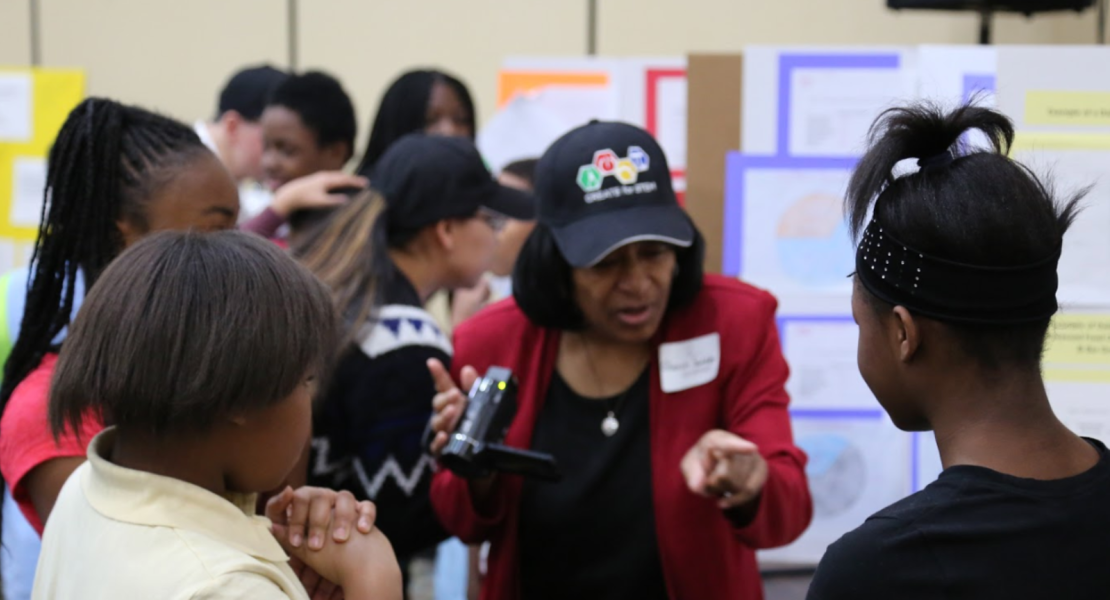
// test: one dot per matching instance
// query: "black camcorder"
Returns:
(475, 449)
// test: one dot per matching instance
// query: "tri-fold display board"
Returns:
(807, 113)
(771, 138)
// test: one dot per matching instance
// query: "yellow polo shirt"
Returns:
(119, 533)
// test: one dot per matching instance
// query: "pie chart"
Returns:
(836, 472)
(814, 247)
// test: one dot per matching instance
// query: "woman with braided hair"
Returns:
(115, 173)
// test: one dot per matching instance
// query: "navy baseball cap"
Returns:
(248, 91)
(606, 185)
(429, 178)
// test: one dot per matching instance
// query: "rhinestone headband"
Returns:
(951, 291)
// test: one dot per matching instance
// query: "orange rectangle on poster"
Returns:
(511, 83)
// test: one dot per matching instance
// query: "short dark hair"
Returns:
(186, 328)
(524, 169)
(248, 90)
(323, 105)
(980, 208)
(404, 110)
(544, 289)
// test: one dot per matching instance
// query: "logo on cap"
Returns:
(606, 163)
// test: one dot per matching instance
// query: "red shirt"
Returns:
(25, 438)
(703, 554)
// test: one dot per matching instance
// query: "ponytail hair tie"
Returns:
(937, 160)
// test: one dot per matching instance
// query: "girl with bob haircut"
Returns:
(955, 286)
(658, 389)
(202, 352)
(115, 173)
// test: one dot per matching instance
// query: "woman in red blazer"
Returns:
(658, 390)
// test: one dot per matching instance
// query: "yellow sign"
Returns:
(1067, 108)
(1078, 349)
(54, 92)
(1061, 141)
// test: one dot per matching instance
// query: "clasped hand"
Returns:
(331, 540)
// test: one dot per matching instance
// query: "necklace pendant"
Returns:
(610, 425)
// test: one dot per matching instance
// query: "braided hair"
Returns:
(107, 160)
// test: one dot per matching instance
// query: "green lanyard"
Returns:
(5, 335)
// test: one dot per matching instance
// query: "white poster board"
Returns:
(16, 107)
(954, 75)
(856, 467)
(1059, 100)
(543, 98)
(806, 116)
(820, 101)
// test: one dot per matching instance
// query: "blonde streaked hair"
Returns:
(347, 254)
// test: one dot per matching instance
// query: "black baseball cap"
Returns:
(605, 185)
(429, 178)
(248, 91)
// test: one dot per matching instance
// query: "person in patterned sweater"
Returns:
(430, 223)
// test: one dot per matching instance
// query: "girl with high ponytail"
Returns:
(115, 173)
(955, 286)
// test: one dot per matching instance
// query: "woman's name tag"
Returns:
(690, 363)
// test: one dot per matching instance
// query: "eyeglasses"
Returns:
(496, 221)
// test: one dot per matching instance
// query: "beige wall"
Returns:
(165, 54)
(726, 25)
(15, 33)
(368, 44)
(174, 55)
